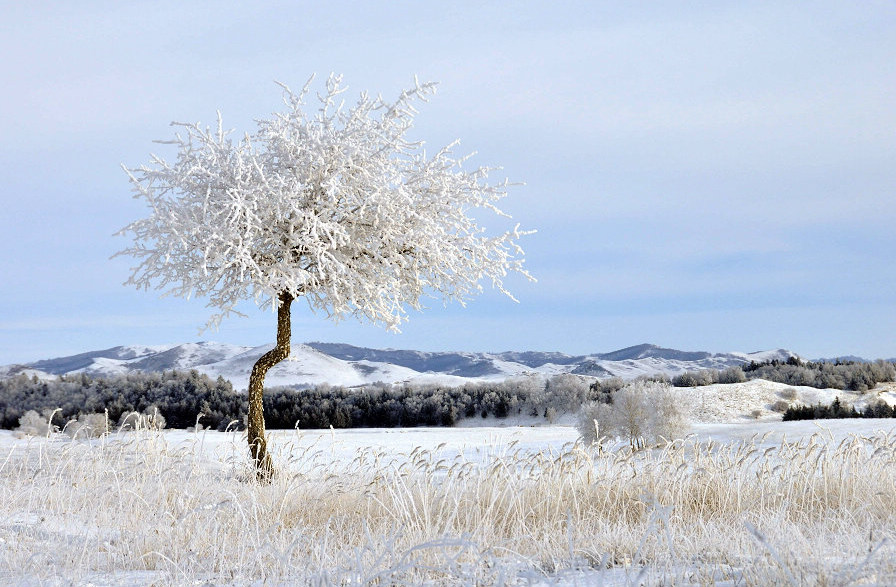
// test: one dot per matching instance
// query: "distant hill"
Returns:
(347, 365)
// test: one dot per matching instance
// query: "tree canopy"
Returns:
(338, 207)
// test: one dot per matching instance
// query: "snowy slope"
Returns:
(754, 400)
(346, 365)
(305, 366)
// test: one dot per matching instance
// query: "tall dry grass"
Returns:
(129, 509)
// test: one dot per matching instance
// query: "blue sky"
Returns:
(705, 175)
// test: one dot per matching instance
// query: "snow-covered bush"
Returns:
(780, 406)
(669, 415)
(696, 378)
(788, 393)
(33, 424)
(643, 412)
(565, 390)
(88, 426)
(732, 375)
(596, 420)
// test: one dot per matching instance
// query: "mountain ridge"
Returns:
(347, 365)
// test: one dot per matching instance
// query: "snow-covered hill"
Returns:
(342, 364)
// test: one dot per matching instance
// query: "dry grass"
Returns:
(127, 509)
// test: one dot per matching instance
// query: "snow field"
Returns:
(767, 503)
(754, 400)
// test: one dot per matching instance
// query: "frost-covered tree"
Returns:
(642, 411)
(337, 207)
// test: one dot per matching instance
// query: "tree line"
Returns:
(845, 375)
(180, 397)
(838, 410)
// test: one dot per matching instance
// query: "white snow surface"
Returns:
(721, 413)
(305, 365)
(753, 400)
(477, 446)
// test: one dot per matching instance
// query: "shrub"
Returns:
(732, 375)
(596, 421)
(566, 390)
(788, 393)
(33, 424)
(780, 406)
(688, 379)
(642, 412)
(696, 378)
(88, 426)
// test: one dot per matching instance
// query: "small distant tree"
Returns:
(338, 208)
(33, 424)
(641, 411)
(732, 375)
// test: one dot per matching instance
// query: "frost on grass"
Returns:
(812, 511)
(88, 425)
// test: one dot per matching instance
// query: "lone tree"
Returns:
(338, 208)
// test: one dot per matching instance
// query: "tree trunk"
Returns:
(258, 444)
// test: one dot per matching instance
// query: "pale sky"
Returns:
(705, 175)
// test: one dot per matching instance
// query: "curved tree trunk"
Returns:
(258, 444)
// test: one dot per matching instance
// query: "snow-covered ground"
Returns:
(744, 499)
(741, 501)
(754, 400)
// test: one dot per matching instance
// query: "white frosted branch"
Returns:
(339, 207)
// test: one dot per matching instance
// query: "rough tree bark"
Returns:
(258, 444)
